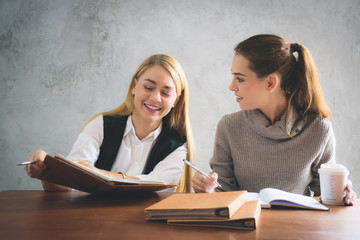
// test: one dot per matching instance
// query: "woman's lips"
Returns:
(239, 99)
(152, 108)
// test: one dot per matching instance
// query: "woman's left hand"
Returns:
(350, 195)
(107, 173)
(85, 163)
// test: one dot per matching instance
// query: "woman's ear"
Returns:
(272, 81)
(176, 101)
(133, 88)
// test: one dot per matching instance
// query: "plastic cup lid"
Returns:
(333, 167)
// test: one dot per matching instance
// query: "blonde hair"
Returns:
(179, 116)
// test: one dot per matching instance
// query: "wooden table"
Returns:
(77, 215)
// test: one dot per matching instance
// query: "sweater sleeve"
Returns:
(221, 161)
(326, 155)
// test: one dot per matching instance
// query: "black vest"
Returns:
(114, 127)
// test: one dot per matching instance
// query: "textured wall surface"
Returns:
(63, 61)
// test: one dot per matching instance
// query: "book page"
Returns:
(135, 181)
(283, 198)
(252, 196)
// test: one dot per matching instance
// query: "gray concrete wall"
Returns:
(63, 61)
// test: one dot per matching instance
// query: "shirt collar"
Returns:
(130, 129)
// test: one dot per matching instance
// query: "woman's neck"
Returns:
(275, 107)
(143, 127)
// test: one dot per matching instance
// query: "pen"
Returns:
(26, 163)
(201, 172)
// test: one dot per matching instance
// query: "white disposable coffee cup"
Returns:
(333, 180)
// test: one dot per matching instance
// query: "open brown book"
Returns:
(74, 175)
(246, 218)
(219, 205)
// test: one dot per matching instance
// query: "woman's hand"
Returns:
(350, 195)
(107, 173)
(85, 163)
(201, 184)
(36, 169)
(89, 165)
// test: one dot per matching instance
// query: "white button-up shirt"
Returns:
(133, 152)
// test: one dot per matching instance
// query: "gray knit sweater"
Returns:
(251, 154)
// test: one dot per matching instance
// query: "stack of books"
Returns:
(235, 209)
(220, 209)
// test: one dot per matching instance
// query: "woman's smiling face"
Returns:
(154, 94)
(248, 88)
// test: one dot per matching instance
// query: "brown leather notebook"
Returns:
(246, 218)
(197, 205)
(71, 174)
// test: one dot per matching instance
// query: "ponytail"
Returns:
(306, 94)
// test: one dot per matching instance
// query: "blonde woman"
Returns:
(283, 134)
(145, 138)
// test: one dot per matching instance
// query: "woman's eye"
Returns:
(148, 88)
(239, 79)
(166, 94)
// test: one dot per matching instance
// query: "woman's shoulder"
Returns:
(234, 115)
(231, 119)
(98, 118)
(94, 122)
(319, 124)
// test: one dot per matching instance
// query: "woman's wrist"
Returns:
(123, 175)
(52, 187)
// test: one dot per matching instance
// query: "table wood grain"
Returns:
(77, 215)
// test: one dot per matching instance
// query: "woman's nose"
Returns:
(155, 96)
(232, 86)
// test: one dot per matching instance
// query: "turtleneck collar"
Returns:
(260, 124)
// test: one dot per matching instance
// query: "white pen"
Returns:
(26, 163)
(201, 172)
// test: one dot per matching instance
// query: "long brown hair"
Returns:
(179, 116)
(269, 53)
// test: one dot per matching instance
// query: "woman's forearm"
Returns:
(52, 187)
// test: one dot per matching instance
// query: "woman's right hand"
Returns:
(201, 184)
(36, 169)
